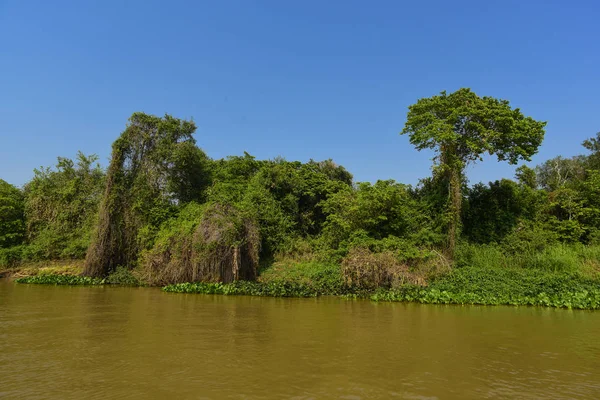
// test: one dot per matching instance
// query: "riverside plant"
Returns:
(49, 279)
(502, 287)
(270, 289)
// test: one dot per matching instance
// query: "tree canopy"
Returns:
(461, 127)
(154, 166)
(12, 222)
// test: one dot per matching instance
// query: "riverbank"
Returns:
(463, 285)
(55, 267)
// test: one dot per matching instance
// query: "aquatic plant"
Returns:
(272, 289)
(49, 279)
(502, 287)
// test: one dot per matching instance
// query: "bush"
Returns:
(324, 278)
(11, 257)
(123, 276)
(364, 269)
(61, 206)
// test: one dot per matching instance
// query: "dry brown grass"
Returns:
(367, 270)
(55, 267)
(591, 268)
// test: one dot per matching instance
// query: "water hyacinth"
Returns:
(61, 280)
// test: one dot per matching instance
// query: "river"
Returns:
(112, 342)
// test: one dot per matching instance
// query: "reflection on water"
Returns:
(107, 342)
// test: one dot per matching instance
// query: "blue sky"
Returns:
(298, 79)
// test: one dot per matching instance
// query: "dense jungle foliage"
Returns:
(145, 211)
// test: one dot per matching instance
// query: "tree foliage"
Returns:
(461, 127)
(153, 168)
(494, 211)
(149, 209)
(12, 217)
(61, 205)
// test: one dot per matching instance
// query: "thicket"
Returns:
(155, 166)
(165, 213)
(52, 217)
(214, 243)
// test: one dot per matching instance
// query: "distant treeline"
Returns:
(160, 184)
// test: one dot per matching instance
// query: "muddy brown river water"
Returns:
(140, 343)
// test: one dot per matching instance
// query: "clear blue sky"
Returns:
(300, 79)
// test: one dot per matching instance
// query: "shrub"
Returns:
(11, 256)
(61, 205)
(367, 270)
(324, 278)
(123, 276)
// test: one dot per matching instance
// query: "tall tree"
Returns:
(559, 172)
(153, 168)
(461, 127)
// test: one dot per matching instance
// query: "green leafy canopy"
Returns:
(470, 126)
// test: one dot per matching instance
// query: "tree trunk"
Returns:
(454, 208)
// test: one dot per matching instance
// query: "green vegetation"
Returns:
(502, 286)
(164, 213)
(61, 280)
(271, 289)
(155, 165)
(12, 218)
(460, 127)
(60, 208)
(323, 278)
(215, 242)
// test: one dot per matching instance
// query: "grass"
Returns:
(59, 273)
(55, 267)
(555, 258)
(559, 276)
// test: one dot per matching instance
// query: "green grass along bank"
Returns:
(578, 289)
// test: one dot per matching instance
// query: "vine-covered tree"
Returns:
(461, 127)
(155, 166)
